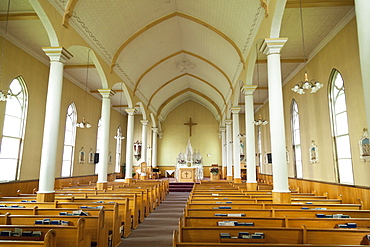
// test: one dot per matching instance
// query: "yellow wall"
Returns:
(204, 137)
(36, 74)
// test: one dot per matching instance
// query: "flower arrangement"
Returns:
(182, 162)
(214, 170)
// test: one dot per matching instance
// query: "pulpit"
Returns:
(187, 174)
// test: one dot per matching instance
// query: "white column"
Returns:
(229, 165)
(236, 144)
(104, 140)
(272, 47)
(129, 144)
(249, 126)
(144, 141)
(223, 143)
(154, 146)
(58, 56)
(362, 8)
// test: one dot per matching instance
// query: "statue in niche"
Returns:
(314, 154)
(365, 146)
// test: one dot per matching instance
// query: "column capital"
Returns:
(235, 110)
(160, 134)
(272, 46)
(57, 54)
(144, 122)
(106, 93)
(248, 89)
(130, 111)
(223, 128)
(228, 121)
(155, 129)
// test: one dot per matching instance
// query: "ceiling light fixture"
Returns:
(306, 84)
(184, 65)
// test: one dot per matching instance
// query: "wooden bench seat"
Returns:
(65, 235)
(47, 240)
(94, 225)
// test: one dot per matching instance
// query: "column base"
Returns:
(237, 180)
(128, 180)
(281, 197)
(45, 197)
(142, 177)
(223, 172)
(251, 186)
(229, 178)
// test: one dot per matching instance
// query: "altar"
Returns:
(189, 167)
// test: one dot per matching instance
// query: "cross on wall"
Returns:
(190, 123)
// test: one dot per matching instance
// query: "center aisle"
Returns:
(157, 228)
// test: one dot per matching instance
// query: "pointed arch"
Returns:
(186, 74)
(164, 18)
(175, 54)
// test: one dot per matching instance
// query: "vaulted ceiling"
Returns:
(170, 51)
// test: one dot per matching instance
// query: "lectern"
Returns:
(187, 174)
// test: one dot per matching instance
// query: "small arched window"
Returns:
(13, 130)
(296, 140)
(69, 141)
(340, 132)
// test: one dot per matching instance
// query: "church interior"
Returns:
(262, 102)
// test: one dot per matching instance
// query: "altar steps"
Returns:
(181, 187)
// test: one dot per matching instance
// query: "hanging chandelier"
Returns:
(306, 84)
(260, 121)
(83, 124)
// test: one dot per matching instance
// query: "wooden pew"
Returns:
(112, 217)
(65, 235)
(48, 240)
(177, 243)
(94, 225)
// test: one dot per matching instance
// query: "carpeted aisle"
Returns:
(156, 230)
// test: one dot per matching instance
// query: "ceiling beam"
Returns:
(318, 3)
(19, 17)
(79, 66)
(284, 60)
(115, 91)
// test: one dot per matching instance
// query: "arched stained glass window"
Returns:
(69, 141)
(13, 130)
(296, 140)
(340, 132)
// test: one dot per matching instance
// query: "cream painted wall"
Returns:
(175, 134)
(340, 53)
(36, 74)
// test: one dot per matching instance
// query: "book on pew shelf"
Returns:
(39, 222)
(319, 208)
(220, 214)
(27, 233)
(24, 201)
(258, 235)
(63, 213)
(337, 216)
(226, 223)
(244, 235)
(17, 232)
(304, 208)
(309, 203)
(33, 201)
(64, 223)
(351, 225)
(225, 235)
(215, 194)
(36, 233)
(6, 233)
(320, 215)
(341, 226)
(345, 216)
(235, 215)
(224, 207)
(46, 221)
(328, 216)
(2, 206)
(244, 224)
(55, 222)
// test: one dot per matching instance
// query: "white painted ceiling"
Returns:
(171, 51)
